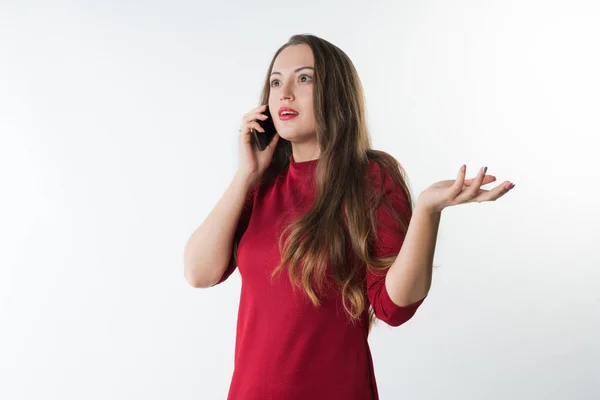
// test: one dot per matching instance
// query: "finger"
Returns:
(256, 126)
(480, 175)
(256, 110)
(456, 188)
(487, 179)
(495, 193)
(258, 116)
(473, 190)
(481, 196)
(479, 178)
(500, 190)
(254, 117)
(248, 126)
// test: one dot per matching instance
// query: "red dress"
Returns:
(286, 349)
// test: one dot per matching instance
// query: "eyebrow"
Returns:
(296, 70)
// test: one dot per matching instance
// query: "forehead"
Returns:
(298, 55)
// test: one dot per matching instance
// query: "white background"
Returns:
(118, 135)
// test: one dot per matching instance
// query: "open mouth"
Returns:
(285, 117)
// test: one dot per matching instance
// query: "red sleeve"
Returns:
(239, 232)
(389, 242)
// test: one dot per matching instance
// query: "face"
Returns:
(292, 86)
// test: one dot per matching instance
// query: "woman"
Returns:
(320, 203)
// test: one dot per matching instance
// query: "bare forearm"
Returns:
(409, 278)
(208, 250)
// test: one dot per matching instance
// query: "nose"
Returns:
(286, 92)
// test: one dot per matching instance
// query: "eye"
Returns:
(302, 75)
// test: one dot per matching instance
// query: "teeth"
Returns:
(288, 113)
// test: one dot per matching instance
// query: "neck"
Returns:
(305, 154)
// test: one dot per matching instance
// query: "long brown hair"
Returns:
(344, 208)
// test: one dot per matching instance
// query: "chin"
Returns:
(294, 135)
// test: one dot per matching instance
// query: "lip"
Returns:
(287, 117)
(282, 109)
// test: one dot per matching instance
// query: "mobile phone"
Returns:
(261, 140)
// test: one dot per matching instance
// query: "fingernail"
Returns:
(484, 170)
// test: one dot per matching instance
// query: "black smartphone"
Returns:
(261, 140)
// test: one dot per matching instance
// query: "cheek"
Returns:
(309, 116)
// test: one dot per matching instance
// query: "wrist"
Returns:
(423, 208)
(246, 178)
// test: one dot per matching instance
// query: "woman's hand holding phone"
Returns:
(253, 162)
